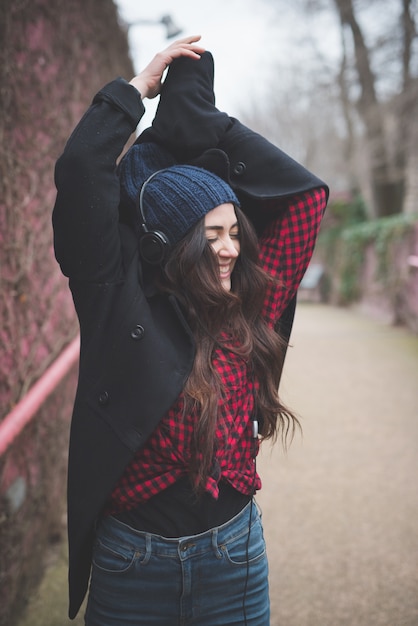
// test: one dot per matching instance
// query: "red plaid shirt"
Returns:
(286, 248)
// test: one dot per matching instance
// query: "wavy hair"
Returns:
(191, 273)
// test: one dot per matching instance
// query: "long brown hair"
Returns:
(192, 274)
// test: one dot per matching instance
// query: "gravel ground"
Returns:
(340, 509)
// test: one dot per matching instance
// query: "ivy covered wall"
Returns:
(371, 262)
(54, 56)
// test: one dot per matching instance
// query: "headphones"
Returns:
(153, 244)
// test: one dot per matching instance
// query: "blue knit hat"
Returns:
(174, 197)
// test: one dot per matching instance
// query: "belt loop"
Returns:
(215, 546)
(148, 548)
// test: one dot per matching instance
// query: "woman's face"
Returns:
(222, 233)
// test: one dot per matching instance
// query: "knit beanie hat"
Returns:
(173, 197)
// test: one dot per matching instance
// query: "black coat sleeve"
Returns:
(85, 217)
(187, 121)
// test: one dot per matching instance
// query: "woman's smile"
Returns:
(223, 235)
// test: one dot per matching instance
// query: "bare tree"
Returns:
(303, 118)
(387, 159)
(368, 91)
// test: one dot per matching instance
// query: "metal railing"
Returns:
(13, 424)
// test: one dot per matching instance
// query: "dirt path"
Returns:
(340, 510)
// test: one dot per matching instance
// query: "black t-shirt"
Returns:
(179, 512)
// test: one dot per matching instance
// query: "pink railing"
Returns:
(13, 424)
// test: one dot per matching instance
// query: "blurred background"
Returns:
(332, 82)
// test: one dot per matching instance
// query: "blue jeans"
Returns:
(203, 580)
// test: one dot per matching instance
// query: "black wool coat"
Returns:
(136, 347)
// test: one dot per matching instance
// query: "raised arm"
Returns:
(85, 217)
(286, 247)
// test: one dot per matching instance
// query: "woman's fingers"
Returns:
(148, 82)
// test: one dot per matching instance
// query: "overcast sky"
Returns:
(238, 35)
(246, 38)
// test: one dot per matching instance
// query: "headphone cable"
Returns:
(247, 576)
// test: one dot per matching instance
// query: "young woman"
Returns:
(179, 298)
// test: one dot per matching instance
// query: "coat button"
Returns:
(239, 168)
(103, 398)
(138, 332)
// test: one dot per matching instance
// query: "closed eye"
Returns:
(234, 234)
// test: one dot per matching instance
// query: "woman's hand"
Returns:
(148, 82)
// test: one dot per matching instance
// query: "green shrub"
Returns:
(343, 242)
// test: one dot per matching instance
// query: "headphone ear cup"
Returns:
(153, 247)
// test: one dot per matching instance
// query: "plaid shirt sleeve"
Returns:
(286, 247)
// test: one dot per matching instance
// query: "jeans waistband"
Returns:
(182, 547)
